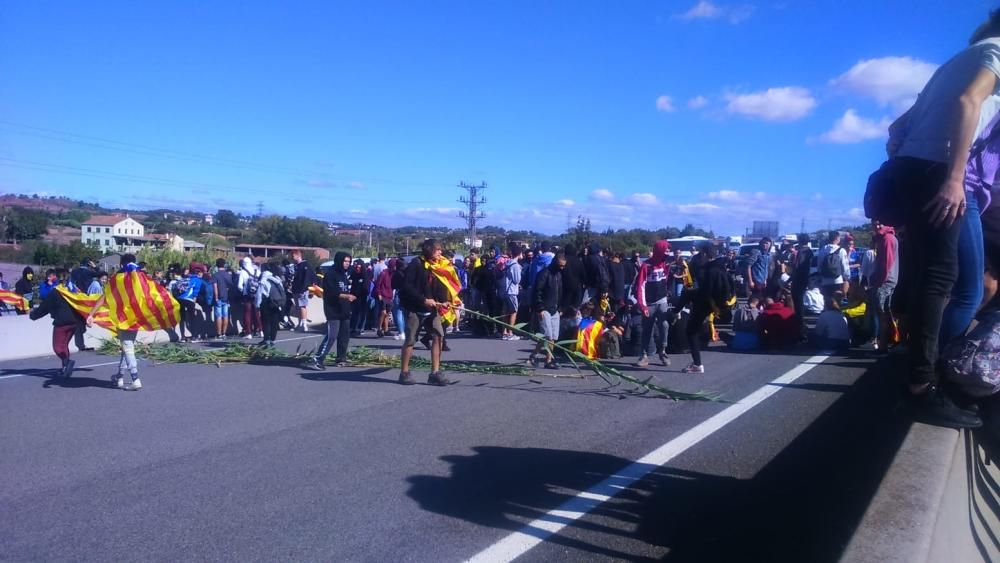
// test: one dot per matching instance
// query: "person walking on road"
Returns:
(652, 289)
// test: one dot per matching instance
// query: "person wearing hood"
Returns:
(337, 304)
(425, 299)
(361, 282)
(547, 298)
(573, 276)
(248, 284)
(596, 278)
(652, 290)
(25, 286)
(187, 290)
(272, 281)
(710, 294)
(882, 283)
(383, 295)
(64, 323)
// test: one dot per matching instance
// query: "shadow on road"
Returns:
(803, 505)
(53, 379)
(339, 374)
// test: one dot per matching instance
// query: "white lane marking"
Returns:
(518, 543)
(113, 363)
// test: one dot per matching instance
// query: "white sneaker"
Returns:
(135, 385)
(119, 381)
(248, 337)
(694, 369)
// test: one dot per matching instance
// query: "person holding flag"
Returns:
(429, 294)
(131, 302)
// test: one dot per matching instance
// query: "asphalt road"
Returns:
(265, 463)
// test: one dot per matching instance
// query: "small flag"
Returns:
(15, 300)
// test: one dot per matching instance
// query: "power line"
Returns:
(105, 174)
(147, 150)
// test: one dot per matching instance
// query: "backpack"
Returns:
(181, 286)
(973, 361)
(276, 297)
(832, 266)
(253, 283)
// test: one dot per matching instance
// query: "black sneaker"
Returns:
(551, 365)
(406, 379)
(345, 363)
(445, 348)
(315, 365)
(664, 358)
(439, 379)
(935, 408)
(68, 368)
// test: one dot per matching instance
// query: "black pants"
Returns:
(337, 331)
(700, 310)
(270, 318)
(78, 335)
(929, 262)
(187, 316)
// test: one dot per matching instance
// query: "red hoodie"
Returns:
(651, 283)
(778, 326)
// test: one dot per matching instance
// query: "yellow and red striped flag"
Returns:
(14, 299)
(587, 337)
(132, 301)
(444, 271)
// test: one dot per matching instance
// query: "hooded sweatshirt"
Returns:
(652, 282)
(335, 283)
(26, 283)
(886, 257)
(542, 260)
(574, 273)
(247, 269)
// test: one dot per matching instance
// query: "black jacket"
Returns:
(573, 274)
(596, 269)
(548, 290)
(336, 282)
(420, 284)
(617, 290)
(55, 305)
(714, 289)
(304, 277)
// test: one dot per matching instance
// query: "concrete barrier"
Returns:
(939, 502)
(21, 338)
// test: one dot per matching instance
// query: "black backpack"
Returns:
(253, 283)
(832, 265)
(276, 297)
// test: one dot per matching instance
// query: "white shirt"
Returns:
(845, 262)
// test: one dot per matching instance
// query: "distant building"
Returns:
(209, 219)
(268, 250)
(112, 232)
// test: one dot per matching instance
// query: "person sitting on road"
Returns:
(778, 326)
(746, 328)
(832, 332)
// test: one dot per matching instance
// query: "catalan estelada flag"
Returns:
(587, 337)
(14, 300)
(132, 301)
(444, 271)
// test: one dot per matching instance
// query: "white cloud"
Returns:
(698, 208)
(725, 195)
(602, 194)
(565, 203)
(358, 212)
(697, 102)
(894, 81)
(644, 198)
(664, 104)
(852, 128)
(356, 186)
(774, 104)
(702, 10)
(707, 10)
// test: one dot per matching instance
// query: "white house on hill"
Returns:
(113, 232)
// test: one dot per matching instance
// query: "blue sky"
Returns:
(635, 114)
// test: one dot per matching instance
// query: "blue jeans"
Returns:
(967, 293)
(398, 316)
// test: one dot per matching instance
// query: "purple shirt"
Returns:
(981, 170)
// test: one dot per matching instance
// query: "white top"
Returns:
(929, 125)
(845, 260)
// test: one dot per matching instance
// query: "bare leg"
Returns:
(435, 354)
(406, 354)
